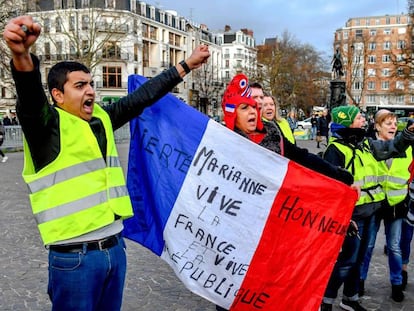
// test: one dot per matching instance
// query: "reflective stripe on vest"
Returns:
(396, 176)
(79, 205)
(365, 171)
(71, 172)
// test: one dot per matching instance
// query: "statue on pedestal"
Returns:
(337, 65)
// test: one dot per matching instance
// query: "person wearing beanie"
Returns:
(349, 148)
(393, 209)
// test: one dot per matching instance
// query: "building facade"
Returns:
(117, 38)
(376, 54)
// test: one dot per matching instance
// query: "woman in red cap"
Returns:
(242, 115)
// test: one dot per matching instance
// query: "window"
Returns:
(385, 72)
(112, 77)
(357, 85)
(371, 72)
(387, 20)
(400, 99)
(400, 71)
(149, 31)
(385, 85)
(387, 31)
(371, 85)
(372, 46)
(136, 52)
(372, 59)
(59, 49)
(370, 99)
(401, 44)
(72, 23)
(174, 39)
(111, 50)
(386, 58)
(58, 24)
(72, 49)
(46, 25)
(85, 22)
(411, 98)
(358, 33)
(387, 45)
(85, 47)
(399, 85)
(373, 32)
(47, 50)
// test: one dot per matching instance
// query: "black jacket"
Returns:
(274, 141)
(40, 120)
(354, 139)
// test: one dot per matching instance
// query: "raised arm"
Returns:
(20, 34)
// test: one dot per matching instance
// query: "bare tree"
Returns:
(356, 75)
(209, 88)
(8, 10)
(86, 35)
(292, 71)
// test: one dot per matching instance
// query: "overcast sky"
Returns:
(309, 21)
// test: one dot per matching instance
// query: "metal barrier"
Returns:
(13, 138)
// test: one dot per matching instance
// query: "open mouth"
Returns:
(87, 105)
(251, 120)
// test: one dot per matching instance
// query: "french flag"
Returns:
(240, 225)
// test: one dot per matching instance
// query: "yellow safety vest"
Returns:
(79, 191)
(394, 179)
(285, 129)
(364, 167)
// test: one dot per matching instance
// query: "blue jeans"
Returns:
(88, 280)
(346, 269)
(314, 130)
(405, 243)
(393, 238)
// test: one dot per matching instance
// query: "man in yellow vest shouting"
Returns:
(77, 188)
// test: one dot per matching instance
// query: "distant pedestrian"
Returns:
(14, 120)
(314, 126)
(292, 121)
(6, 120)
(2, 135)
(323, 128)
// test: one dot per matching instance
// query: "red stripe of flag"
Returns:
(299, 245)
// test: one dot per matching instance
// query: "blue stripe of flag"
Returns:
(164, 137)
